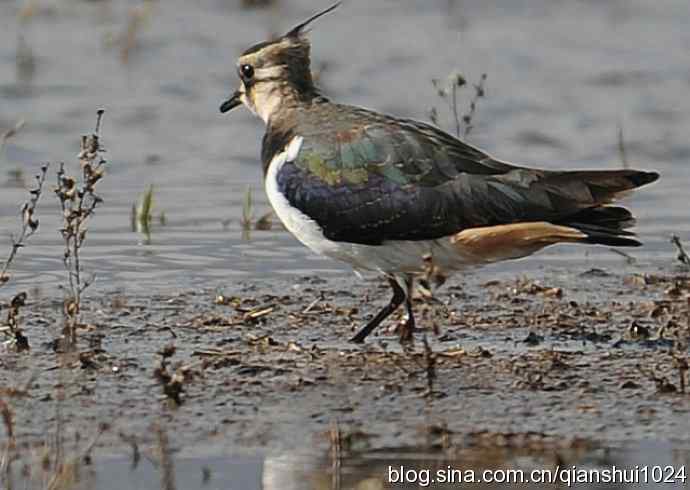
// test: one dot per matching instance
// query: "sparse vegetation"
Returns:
(15, 176)
(78, 202)
(622, 152)
(448, 92)
(247, 210)
(136, 19)
(29, 223)
(10, 133)
(19, 341)
(682, 256)
(142, 213)
(263, 223)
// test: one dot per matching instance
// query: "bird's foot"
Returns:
(406, 331)
(358, 338)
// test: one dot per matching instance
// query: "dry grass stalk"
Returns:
(479, 92)
(137, 18)
(247, 210)
(78, 201)
(19, 340)
(166, 461)
(448, 92)
(172, 383)
(682, 256)
(136, 453)
(629, 259)
(336, 439)
(7, 456)
(11, 133)
(622, 153)
(29, 223)
(430, 367)
(29, 227)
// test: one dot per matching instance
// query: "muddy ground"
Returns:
(590, 356)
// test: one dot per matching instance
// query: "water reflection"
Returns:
(422, 467)
(412, 468)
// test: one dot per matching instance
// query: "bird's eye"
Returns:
(246, 72)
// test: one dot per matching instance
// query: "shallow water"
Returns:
(382, 469)
(561, 77)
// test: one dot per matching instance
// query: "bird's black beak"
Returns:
(232, 102)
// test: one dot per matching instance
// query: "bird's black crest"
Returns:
(299, 30)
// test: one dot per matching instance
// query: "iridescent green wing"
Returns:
(403, 152)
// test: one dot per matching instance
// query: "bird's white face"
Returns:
(264, 93)
(263, 81)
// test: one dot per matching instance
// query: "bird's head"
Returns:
(276, 72)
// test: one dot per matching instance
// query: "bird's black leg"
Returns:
(407, 329)
(398, 298)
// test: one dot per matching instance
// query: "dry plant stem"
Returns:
(622, 153)
(430, 362)
(78, 202)
(29, 223)
(21, 343)
(449, 93)
(167, 467)
(8, 422)
(478, 93)
(629, 259)
(336, 454)
(10, 133)
(682, 255)
(454, 108)
(55, 447)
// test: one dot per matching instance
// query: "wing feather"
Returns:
(393, 179)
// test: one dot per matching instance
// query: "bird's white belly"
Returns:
(391, 257)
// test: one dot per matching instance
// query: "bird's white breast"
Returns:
(299, 224)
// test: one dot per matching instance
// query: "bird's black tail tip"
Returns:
(641, 177)
(605, 225)
(611, 240)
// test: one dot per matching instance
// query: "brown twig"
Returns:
(166, 462)
(29, 223)
(479, 92)
(8, 421)
(172, 383)
(682, 256)
(430, 367)
(21, 343)
(10, 133)
(680, 362)
(449, 93)
(78, 202)
(629, 259)
(336, 453)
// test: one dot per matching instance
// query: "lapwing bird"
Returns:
(389, 194)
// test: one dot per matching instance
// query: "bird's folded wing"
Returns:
(411, 181)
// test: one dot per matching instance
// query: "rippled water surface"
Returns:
(562, 77)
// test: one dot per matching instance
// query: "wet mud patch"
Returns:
(601, 357)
